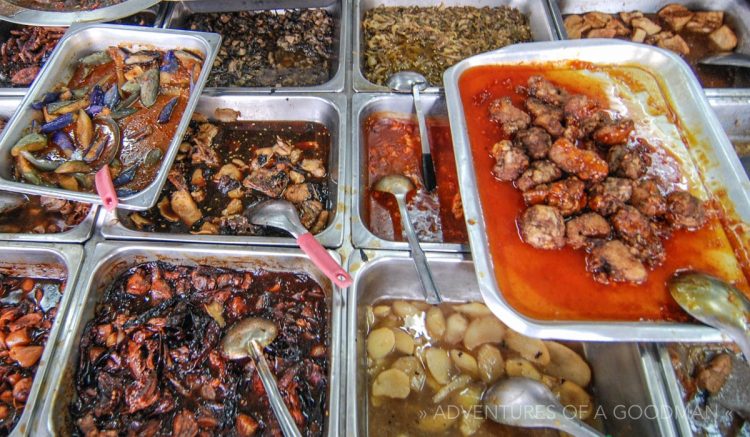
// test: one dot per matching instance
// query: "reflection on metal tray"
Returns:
(737, 16)
(50, 261)
(329, 111)
(734, 116)
(721, 170)
(22, 15)
(339, 9)
(110, 259)
(624, 375)
(362, 106)
(80, 41)
(540, 20)
(77, 234)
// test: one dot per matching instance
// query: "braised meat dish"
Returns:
(24, 51)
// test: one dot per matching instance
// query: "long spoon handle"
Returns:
(420, 260)
(576, 427)
(286, 422)
(428, 166)
(323, 260)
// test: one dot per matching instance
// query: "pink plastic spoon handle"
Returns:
(321, 258)
(106, 189)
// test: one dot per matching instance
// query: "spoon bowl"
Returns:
(404, 81)
(398, 185)
(732, 59)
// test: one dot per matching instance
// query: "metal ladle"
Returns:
(715, 303)
(247, 338)
(528, 403)
(400, 186)
(732, 59)
(413, 82)
(10, 201)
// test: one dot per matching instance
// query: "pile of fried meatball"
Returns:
(584, 177)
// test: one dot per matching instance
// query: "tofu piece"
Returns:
(676, 16)
(705, 21)
(619, 27)
(675, 44)
(644, 23)
(575, 26)
(723, 39)
(639, 35)
(597, 20)
(626, 17)
(601, 33)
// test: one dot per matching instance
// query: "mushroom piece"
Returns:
(185, 207)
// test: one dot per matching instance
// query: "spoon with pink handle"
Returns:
(282, 215)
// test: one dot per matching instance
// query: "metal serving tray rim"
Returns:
(474, 216)
(72, 259)
(22, 15)
(147, 197)
(333, 234)
(359, 83)
(336, 83)
(361, 235)
(101, 252)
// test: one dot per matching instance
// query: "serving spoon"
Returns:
(527, 403)
(281, 214)
(715, 303)
(247, 338)
(400, 186)
(413, 82)
(732, 59)
(10, 201)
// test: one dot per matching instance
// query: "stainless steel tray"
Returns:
(339, 9)
(625, 376)
(734, 116)
(737, 15)
(49, 261)
(721, 170)
(540, 20)
(78, 234)
(329, 110)
(77, 42)
(107, 260)
(362, 106)
(21, 15)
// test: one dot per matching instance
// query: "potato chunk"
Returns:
(723, 39)
(455, 328)
(413, 369)
(567, 364)
(572, 395)
(522, 367)
(532, 349)
(473, 309)
(435, 323)
(404, 309)
(380, 343)
(404, 342)
(464, 362)
(490, 363)
(439, 364)
(391, 383)
(483, 330)
(676, 16)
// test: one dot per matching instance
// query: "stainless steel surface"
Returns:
(339, 9)
(540, 20)
(22, 15)
(77, 42)
(540, 408)
(728, 59)
(720, 170)
(364, 105)
(108, 260)
(624, 379)
(279, 214)
(329, 110)
(48, 261)
(78, 234)
(734, 116)
(10, 201)
(737, 15)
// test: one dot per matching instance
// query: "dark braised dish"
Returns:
(226, 166)
(120, 109)
(585, 178)
(28, 307)
(270, 48)
(150, 360)
(428, 40)
(692, 34)
(65, 5)
(24, 51)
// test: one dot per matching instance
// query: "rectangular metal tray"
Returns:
(78, 234)
(108, 260)
(157, 13)
(540, 20)
(329, 110)
(721, 170)
(625, 376)
(339, 9)
(49, 261)
(82, 40)
(363, 105)
(734, 116)
(737, 15)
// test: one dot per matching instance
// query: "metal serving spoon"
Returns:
(281, 214)
(732, 59)
(247, 338)
(10, 201)
(413, 82)
(715, 303)
(400, 186)
(528, 403)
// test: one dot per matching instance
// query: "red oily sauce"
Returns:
(394, 147)
(554, 284)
